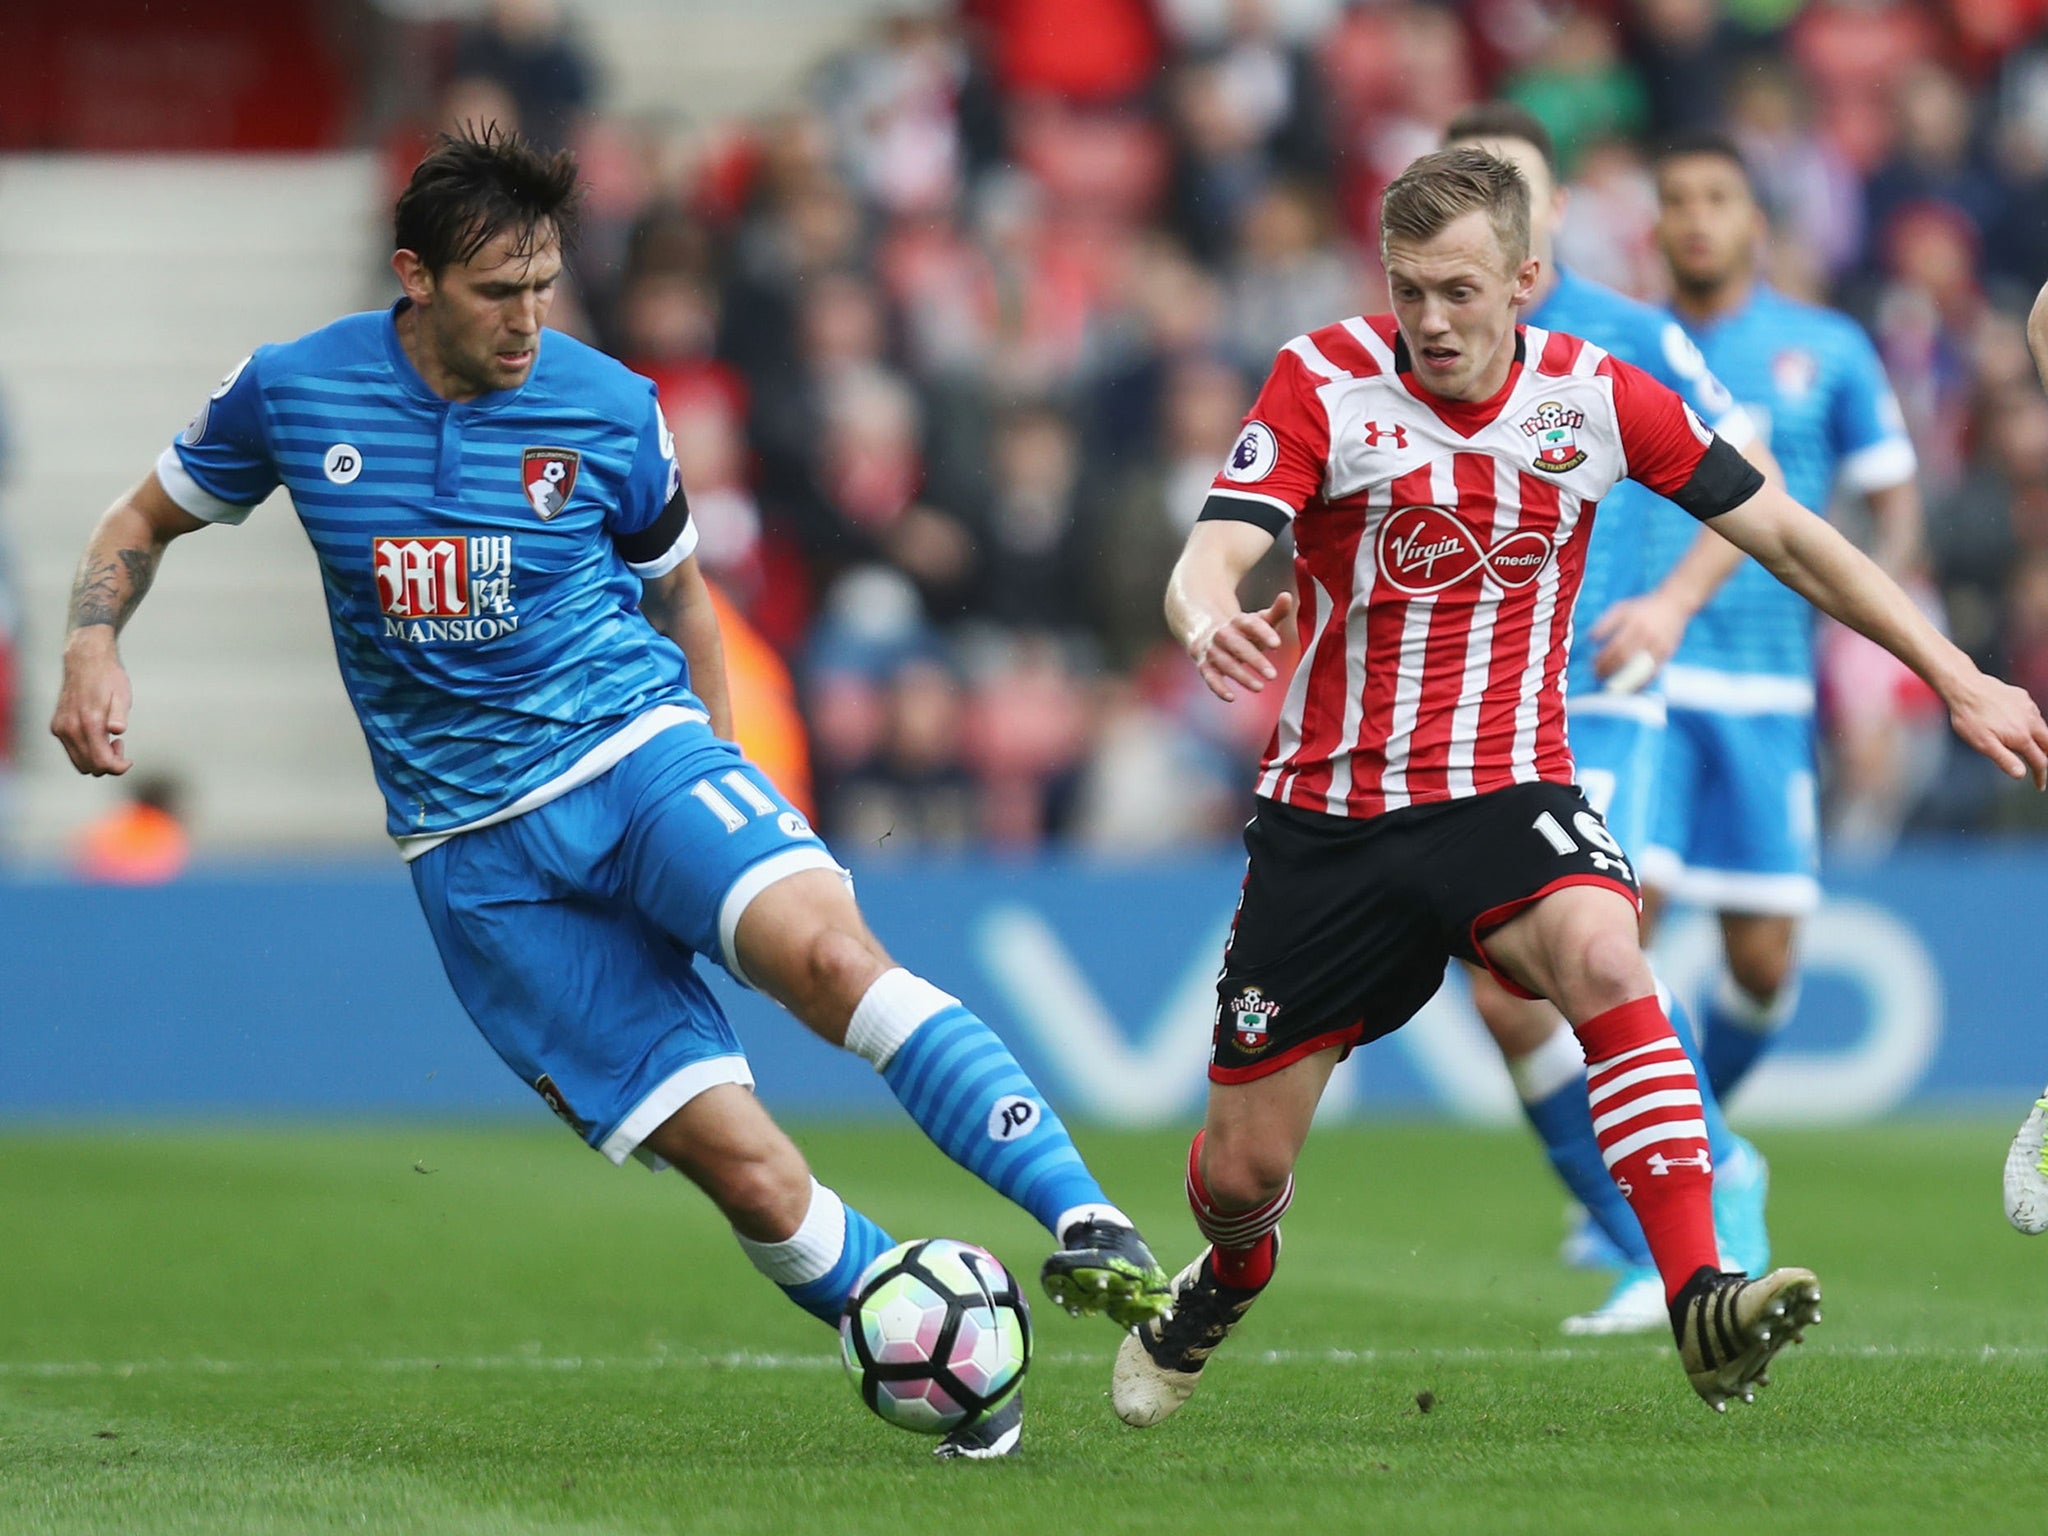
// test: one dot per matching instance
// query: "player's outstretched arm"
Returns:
(1227, 645)
(679, 605)
(1802, 550)
(120, 562)
(1640, 634)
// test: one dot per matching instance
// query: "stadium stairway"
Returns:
(128, 287)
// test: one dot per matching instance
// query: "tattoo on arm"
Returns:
(108, 590)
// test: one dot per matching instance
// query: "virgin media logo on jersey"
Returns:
(1427, 550)
(445, 588)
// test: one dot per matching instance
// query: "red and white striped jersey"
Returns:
(1438, 548)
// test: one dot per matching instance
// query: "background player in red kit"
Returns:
(1440, 468)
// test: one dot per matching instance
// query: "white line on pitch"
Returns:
(747, 1361)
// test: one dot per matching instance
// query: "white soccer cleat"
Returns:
(1159, 1364)
(2026, 1174)
(1635, 1305)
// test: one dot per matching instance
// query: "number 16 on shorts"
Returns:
(1599, 846)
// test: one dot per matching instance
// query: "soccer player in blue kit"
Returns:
(1737, 828)
(506, 553)
(1617, 715)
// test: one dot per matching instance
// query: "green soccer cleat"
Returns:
(995, 1434)
(1729, 1327)
(1104, 1266)
(2026, 1174)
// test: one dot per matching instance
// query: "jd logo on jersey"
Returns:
(1252, 1014)
(1555, 428)
(1425, 550)
(549, 475)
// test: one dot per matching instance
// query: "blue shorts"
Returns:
(1737, 816)
(1618, 745)
(571, 932)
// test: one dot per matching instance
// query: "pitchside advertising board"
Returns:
(319, 993)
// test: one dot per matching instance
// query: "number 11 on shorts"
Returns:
(1605, 854)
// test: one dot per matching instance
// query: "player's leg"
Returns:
(623, 1041)
(1240, 1181)
(1754, 857)
(797, 1232)
(720, 861)
(1577, 945)
(1754, 997)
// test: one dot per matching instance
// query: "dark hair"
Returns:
(1440, 188)
(1704, 141)
(477, 183)
(1503, 120)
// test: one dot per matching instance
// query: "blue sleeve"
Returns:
(1678, 365)
(1866, 428)
(651, 523)
(220, 466)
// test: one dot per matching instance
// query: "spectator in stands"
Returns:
(1804, 180)
(142, 841)
(1581, 87)
(1033, 540)
(1684, 52)
(1287, 276)
(1934, 159)
(528, 49)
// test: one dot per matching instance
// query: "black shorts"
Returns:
(1345, 926)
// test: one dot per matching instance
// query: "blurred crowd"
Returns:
(951, 350)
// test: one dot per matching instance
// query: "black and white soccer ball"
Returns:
(935, 1334)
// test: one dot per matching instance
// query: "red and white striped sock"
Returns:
(1645, 1102)
(1245, 1241)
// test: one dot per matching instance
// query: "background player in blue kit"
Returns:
(1616, 709)
(1737, 829)
(492, 504)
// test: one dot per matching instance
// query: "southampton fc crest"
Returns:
(1555, 429)
(1251, 1012)
(549, 475)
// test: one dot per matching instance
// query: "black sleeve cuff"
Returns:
(1722, 481)
(659, 536)
(1242, 509)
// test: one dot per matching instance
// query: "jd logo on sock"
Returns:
(1013, 1116)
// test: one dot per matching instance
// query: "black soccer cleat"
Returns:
(1159, 1365)
(1729, 1326)
(1104, 1266)
(996, 1433)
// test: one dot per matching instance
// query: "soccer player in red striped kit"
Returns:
(1440, 469)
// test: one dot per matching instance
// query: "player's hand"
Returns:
(2005, 724)
(1639, 635)
(92, 705)
(1234, 652)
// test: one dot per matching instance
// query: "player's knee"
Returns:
(1610, 970)
(839, 967)
(1246, 1171)
(1761, 969)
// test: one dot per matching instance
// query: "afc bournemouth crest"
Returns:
(549, 475)
(1556, 431)
(1251, 1013)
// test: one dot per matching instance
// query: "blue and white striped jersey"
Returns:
(1619, 559)
(1812, 382)
(482, 561)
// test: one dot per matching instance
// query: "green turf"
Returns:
(451, 1329)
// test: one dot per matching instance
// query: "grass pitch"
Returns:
(449, 1329)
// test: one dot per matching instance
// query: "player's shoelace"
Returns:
(1204, 1312)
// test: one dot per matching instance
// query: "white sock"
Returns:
(808, 1253)
(889, 1013)
(1541, 1072)
(1080, 1213)
(1735, 1004)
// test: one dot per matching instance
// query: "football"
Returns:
(935, 1334)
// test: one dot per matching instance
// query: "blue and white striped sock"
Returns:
(817, 1265)
(959, 1082)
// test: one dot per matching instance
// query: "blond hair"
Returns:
(1441, 188)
